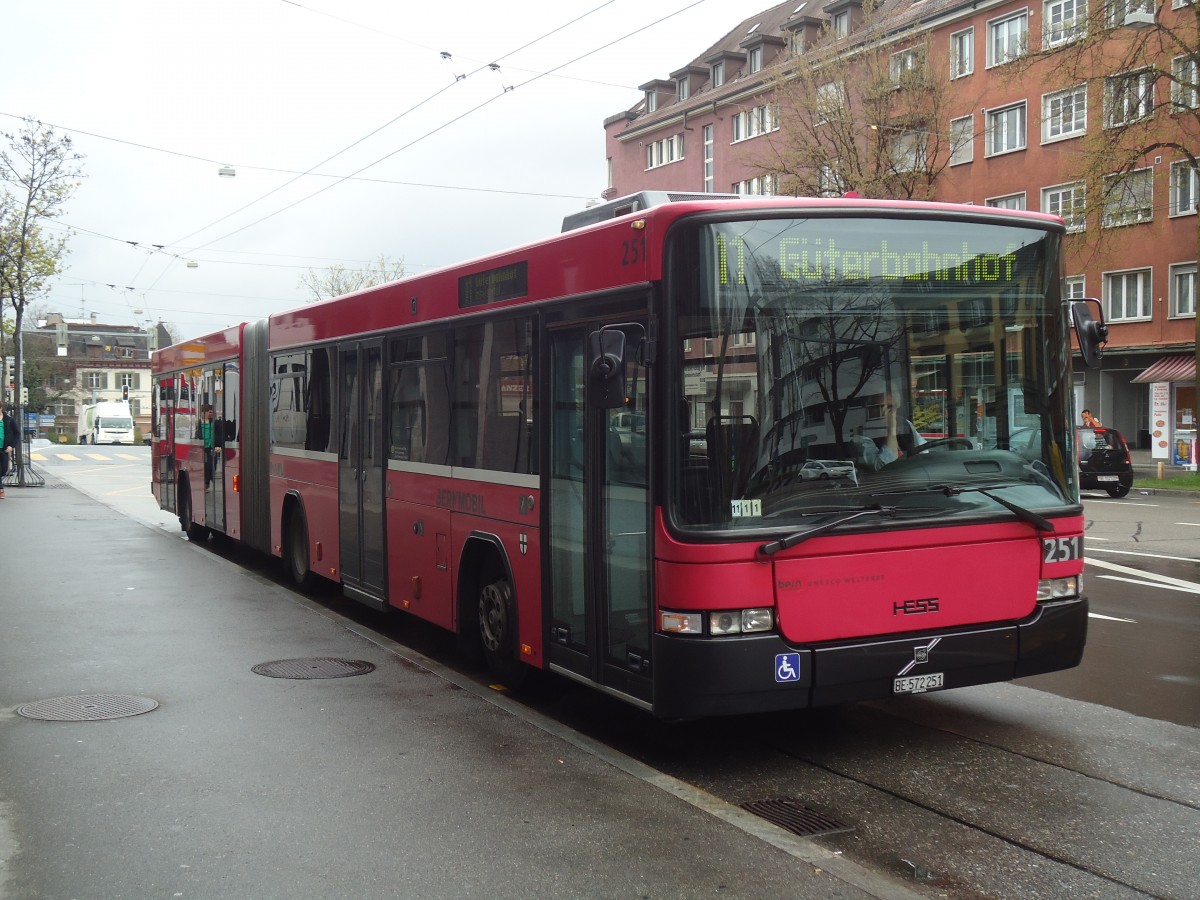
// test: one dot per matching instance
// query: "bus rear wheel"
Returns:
(196, 533)
(498, 630)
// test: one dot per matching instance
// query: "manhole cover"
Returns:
(790, 814)
(87, 708)
(314, 667)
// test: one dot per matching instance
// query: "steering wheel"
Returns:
(962, 442)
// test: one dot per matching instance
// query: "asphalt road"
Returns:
(1143, 580)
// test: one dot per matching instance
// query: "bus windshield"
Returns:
(114, 423)
(834, 364)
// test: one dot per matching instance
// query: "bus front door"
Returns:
(361, 467)
(599, 553)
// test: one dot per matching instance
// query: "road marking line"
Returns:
(97, 456)
(1192, 524)
(1092, 615)
(1141, 583)
(1190, 586)
(67, 456)
(1123, 502)
(130, 457)
(1190, 559)
(37, 457)
(1089, 538)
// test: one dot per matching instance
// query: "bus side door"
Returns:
(599, 521)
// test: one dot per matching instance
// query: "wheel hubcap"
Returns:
(493, 615)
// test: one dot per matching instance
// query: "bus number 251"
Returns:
(1063, 549)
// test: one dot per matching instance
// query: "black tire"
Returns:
(1119, 491)
(295, 551)
(497, 618)
(196, 533)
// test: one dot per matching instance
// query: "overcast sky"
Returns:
(158, 94)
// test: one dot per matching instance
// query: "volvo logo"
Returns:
(920, 656)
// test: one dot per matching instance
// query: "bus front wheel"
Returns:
(498, 630)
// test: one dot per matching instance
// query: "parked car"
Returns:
(827, 468)
(1104, 462)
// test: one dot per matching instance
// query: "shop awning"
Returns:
(1169, 368)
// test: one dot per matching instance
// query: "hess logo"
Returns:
(915, 607)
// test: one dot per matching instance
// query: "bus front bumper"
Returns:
(759, 673)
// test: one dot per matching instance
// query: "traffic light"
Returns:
(124, 392)
(24, 396)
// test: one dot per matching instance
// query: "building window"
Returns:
(764, 185)
(96, 380)
(841, 24)
(651, 101)
(1184, 93)
(1183, 188)
(1068, 202)
(962, 53)
(905, 64)
(1076, 287)
(831, 102)
(1128, 97)
(962, 140)
(63, 406)
(1007, 37)
(718, 74)
(753, 122)
(1119, 11)
(756, 59)
(1129, 198)
(1006, 129)
(135, 407)
(1183, 290)
(708, 159)
(1063, 21)
(128, 380)
(681, 88)
(668, 150)
(1008, 201)
(1064, 113)
(908, 151)
(1127, 295)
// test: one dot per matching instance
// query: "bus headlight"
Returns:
(740, 621)
(1058, 588)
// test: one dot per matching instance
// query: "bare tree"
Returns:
(40, 171)
(338, 280)
(865, 113)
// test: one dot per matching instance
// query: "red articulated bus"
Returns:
(671, 452)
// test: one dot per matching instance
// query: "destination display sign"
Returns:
(494, 285)
(918, 254)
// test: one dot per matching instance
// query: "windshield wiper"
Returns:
(793, 539)
(1025, 515)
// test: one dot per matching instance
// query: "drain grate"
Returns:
(314, 667)
(87, 708)
(792, 815)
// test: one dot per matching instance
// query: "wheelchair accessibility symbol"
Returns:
(787, 667)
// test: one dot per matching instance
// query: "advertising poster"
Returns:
(1160, 416)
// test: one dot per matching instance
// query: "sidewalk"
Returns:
(409, 781)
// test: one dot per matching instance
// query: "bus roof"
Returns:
(600, 252)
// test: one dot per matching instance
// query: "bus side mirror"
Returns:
(1090, 330)
(606, 368)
